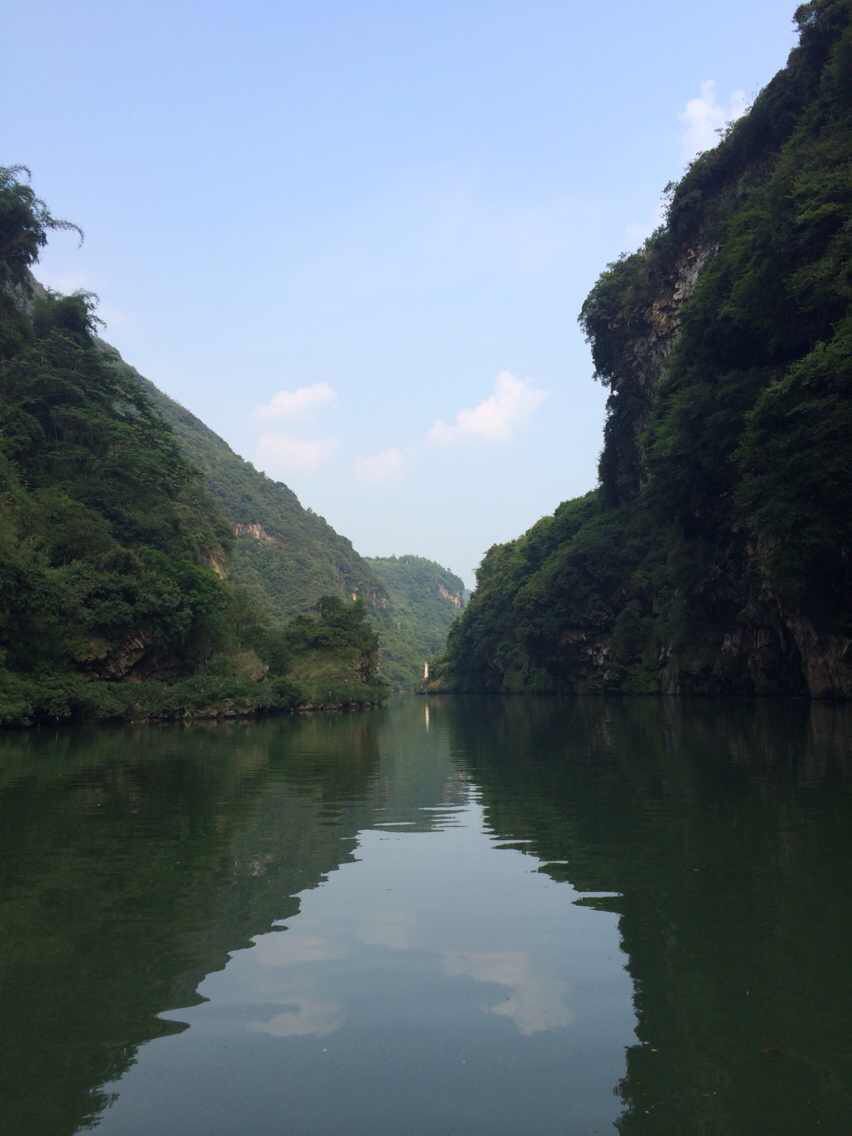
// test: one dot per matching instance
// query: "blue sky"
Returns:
(354, 238)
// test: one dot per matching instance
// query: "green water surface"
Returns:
(473, 916)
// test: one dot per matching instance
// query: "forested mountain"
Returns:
(424, 600)
(136, 545)
(284, 555)
(714, 556)
(116, 590)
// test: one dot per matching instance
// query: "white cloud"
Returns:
(294, 947)
(384, 466)
(536, 1003)
(303, 1016)
(290, 403)
(394, 930)
(280, 453)
(495, 418)
(702, 117)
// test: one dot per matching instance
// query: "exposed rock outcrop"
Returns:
(255, 531)
(453, 598)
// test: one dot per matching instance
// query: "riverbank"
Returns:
(28, 702)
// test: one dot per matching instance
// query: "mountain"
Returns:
(285, 555)
(714, 555)
(425, 599)
(148, 570)
(121, 568)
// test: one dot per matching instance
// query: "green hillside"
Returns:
(714, 557)
(285, 555)
(117, 590)
(424, 600)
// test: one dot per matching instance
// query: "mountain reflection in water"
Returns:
(471, 915)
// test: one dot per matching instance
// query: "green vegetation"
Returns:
(715, 555)
(296, 556)
(424, 600)
(113, 553)
(333, 655)
(285, 557)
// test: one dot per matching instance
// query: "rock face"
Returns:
(217, 561)
(453, 598)
(827, 659)
(374, 599)
(129, 658)
(769, 648)
(255, 531)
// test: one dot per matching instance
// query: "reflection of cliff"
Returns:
(198, 836)
(727, 840)
(131, 864)
(139, 860)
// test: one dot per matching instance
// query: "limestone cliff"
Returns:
(714, 557)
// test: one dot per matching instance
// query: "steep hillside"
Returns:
(714, 557)
(424, 600)
(117, 594)
(285, 555)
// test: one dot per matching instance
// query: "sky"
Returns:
(354, 238)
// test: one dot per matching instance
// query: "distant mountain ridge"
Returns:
(286, 556)
(147, 571)
(425, 599)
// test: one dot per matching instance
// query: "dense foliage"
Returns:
(331, 654)
(424, 600)
(715, 554)
(300, 557)
(111, 548)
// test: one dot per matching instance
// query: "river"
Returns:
(478, 916)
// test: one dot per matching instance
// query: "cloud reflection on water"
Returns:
(307, 1016)
(536, 1003)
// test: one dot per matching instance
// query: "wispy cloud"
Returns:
(384, 466)
(281, 453)
(496, 418)
(293, 403)
(701, 120)
(306, 1015)
(536, 1002)
(704, 116)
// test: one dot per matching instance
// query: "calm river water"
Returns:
(472, 916)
